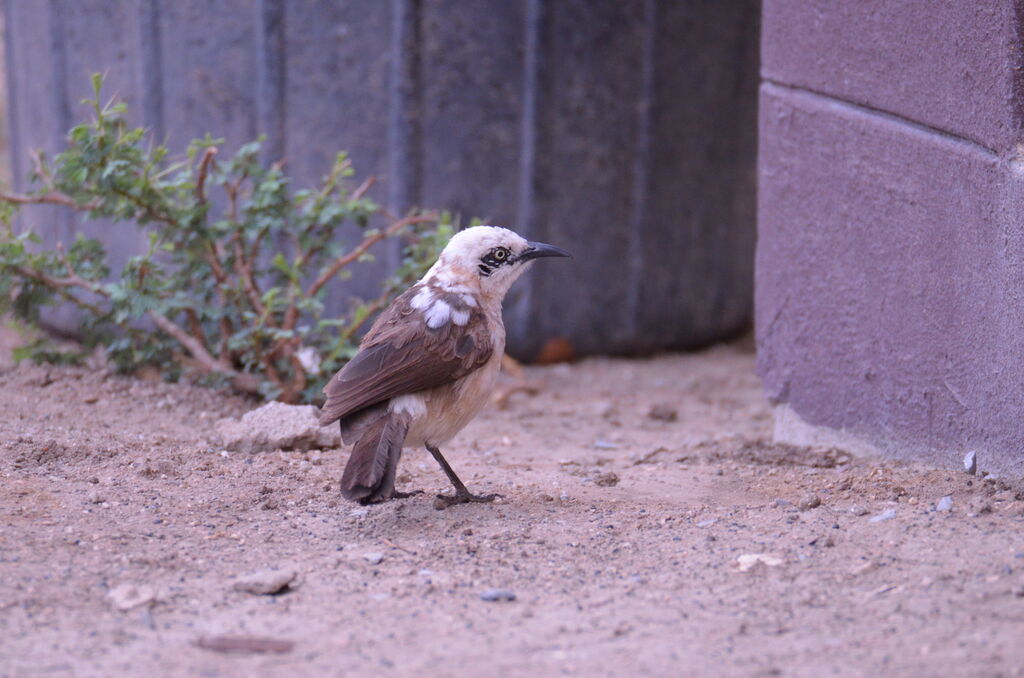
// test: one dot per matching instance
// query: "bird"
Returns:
(428, 364)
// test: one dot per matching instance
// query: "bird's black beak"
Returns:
(536, 250)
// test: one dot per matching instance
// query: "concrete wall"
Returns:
(890, 260)
(623, 130)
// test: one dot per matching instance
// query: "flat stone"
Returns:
(276, 426)
(885, 515)
(945, 505)
(266, 582)
(971, 462)
(498, 595)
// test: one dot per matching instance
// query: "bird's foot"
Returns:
(443, 501)
(405, 495)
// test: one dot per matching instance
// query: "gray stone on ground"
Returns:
(945, 504)
(276, 426)
(971, 462)
(885, 515)
(498, 595)
(265, 582)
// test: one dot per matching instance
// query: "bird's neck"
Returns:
(455, 280)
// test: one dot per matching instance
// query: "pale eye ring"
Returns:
(501, 254)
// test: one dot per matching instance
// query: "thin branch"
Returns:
(244, 269)
(64, 259)
(243, 382)
(360, 249)
(40, 170)
(372, 308)
(240, 380)
(51, 198)
(195, 326)
(363, 188)
(243, 265)
(204, 168)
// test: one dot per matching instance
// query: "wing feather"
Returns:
(402, 355)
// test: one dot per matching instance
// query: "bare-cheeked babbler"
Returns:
(429, 363)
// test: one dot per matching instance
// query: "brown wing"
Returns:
(401, 355)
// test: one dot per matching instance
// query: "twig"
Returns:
(372, 308)
(194, 326)
(51, 198)
(40, 169)
(363, 188)
(244, 269)
(501, 398)
(64, 259)
(204, 168)
(649, 456)
(360, 249)
(240, 380)
(396, 546)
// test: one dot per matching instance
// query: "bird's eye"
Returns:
(501, 254)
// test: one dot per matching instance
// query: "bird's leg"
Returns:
(462, 495)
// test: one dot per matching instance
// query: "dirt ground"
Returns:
(627, 540)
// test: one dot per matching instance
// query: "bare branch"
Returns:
(51, 198)
(363, 187)
(204, 168)
(361, 249)
(243, 382)
(39, 168)
(64, 259)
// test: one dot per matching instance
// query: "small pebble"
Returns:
(609, 479)
(885, 515)
(971, 462)
(858, 511)
(605, 445)
(663, 412)
(498, 595)
(809, 502)
(373, 558)
(265, 582)
(945, 504)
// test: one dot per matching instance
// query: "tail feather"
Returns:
(369, 475)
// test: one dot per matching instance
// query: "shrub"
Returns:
(231, 285)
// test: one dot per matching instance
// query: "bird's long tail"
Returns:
(370, 473)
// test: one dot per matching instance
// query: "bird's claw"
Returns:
(405, 495)
(443, 501)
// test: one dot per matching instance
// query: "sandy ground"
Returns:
(625, 539)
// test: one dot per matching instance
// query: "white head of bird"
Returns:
(485, 261)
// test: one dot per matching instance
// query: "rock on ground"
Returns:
(276, 426)
(266, 582)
